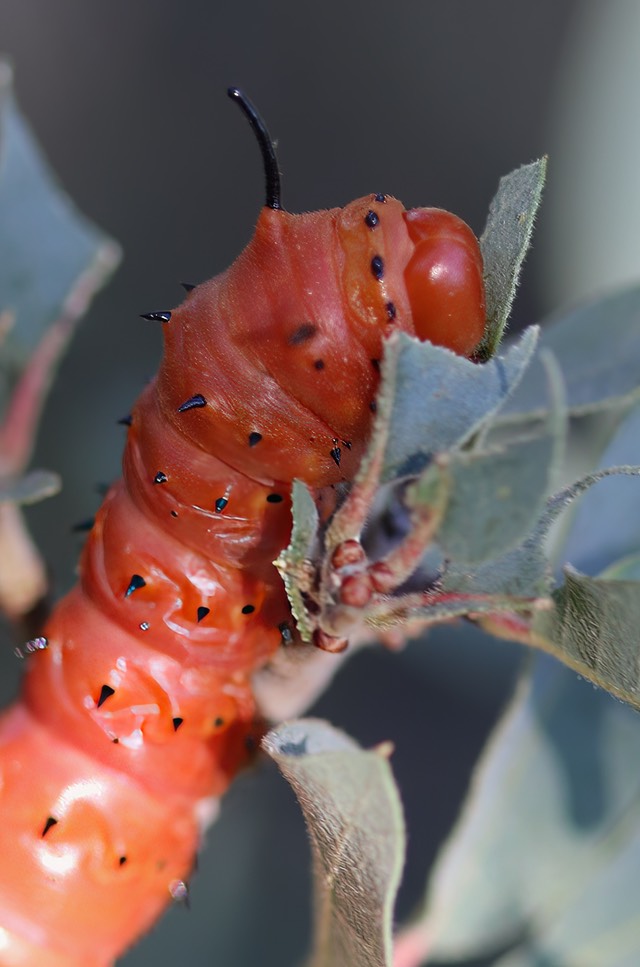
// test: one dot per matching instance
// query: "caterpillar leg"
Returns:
(352, 590)
(392, 594)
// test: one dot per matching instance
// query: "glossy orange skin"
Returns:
(444, 280)
(284, 345)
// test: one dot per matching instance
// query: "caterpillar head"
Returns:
(419, 270)
(430, 257)
(285, 346)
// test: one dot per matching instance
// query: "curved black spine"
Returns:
(269, 159)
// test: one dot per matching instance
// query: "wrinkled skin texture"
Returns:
(140, 712)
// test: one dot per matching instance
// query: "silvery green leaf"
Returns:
(594, 627)
(525, 570)
(354, 819)
(432, 400)
(496, 495)
(505, 242)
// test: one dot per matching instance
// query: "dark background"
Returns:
(429, 101)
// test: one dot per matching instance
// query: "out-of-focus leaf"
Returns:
(505, 242)
(606, 526)
(598, 348)
(628, 569)
(34, 486)
(52, 259)
(547, 849)
(354, 818)
(432, 400)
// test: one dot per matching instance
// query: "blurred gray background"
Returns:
(429, 101)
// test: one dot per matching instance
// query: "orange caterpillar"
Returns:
(137, 710)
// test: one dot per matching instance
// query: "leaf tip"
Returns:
(384, 749)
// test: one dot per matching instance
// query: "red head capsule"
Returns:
(444, 280)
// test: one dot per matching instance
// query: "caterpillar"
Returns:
(137, 708)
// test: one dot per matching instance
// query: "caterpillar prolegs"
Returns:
(139, 711)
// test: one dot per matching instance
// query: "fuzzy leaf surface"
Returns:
(497, 494)
(594, 626)
(495, 498)
(354, 818)
(505, 242)
(432, 400)
(525, 570)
